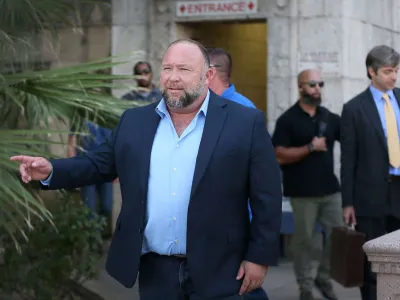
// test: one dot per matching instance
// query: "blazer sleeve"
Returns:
(265, 198)
(92, 167)
(348, 159)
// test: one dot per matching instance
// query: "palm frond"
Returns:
(68, 93)
(37, 100)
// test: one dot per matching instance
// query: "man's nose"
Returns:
(174, 76)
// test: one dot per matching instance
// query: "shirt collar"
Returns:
(162, 110)
(377, 94)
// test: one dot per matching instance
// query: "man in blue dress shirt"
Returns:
(187, 167)
(370, 155)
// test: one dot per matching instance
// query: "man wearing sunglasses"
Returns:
(304, 138)
(146, 91)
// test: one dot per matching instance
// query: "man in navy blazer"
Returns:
(187, 166)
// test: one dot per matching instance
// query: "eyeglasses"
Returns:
(215, 66)
(313, 84)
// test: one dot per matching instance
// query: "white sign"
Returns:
(215, 8)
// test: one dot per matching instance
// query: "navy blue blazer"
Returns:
(236, 162)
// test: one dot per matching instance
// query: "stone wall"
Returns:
(333, 36)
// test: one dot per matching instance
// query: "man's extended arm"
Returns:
(265, 198)
(92, 167)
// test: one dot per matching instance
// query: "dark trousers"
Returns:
(168, 278)
(374, 228)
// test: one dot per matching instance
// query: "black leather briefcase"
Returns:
(347, 257)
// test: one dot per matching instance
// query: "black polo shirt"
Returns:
(314, 175)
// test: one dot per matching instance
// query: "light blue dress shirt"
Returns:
(380, 105)
(172, 166)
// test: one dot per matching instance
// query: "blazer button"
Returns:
(140, 230)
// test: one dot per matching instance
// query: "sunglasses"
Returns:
(313, 84)
(215, 66)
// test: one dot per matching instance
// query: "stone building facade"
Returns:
(334, 36)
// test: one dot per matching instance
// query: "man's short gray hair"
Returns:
(381, 56)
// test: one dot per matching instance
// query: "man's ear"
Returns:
(371, 72)
(211, 73)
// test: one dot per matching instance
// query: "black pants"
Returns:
(168, 278)
(374, 228)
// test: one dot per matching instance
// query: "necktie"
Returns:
(392, 133)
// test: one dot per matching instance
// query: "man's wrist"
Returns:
(310, 148)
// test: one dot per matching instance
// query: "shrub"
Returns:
(52, 256)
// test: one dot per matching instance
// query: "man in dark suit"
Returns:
(187, 167)
(370, 155)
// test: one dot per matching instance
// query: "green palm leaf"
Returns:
(35, 106)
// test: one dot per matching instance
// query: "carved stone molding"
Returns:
(384, 255)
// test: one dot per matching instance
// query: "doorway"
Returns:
(247, 43)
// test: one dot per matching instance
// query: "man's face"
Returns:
(385, 78)
(145, 74)
(310, 88)
(184, 77)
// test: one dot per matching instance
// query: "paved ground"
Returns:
(280, 285)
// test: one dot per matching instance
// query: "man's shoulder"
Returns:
(235, 109)
(356, 100)
(236, 106)
(131, 95)
(289, 113)
(140, 111)
(239, 98)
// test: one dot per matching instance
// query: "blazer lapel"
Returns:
(150, 125)
(372, 113)
(215, 119)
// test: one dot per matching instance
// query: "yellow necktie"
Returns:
(392, 133)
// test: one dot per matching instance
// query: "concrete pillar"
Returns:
(129, 35)
(384, 255)
(366, 25)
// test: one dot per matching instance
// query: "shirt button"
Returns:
(174, 218)
(177, 145)
(176, 241)
(174, 169)
(173, 194)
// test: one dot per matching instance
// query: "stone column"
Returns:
(384, 255)
(371, 24)
(129, 43)
(129, 36)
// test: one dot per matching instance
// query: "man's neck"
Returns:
(149, 87)
(378, 87)
(310, 109)
(220, 87)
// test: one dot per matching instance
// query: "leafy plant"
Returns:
(53, 256)
(33, 101)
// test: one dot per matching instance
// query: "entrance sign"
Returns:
(215, 8)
